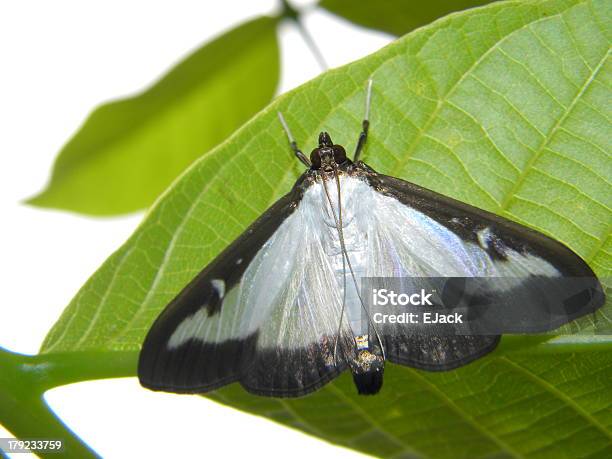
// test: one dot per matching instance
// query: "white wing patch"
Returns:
(406, 242)
(288, 292)
(219, 286)
(483, 237)
(291, 292)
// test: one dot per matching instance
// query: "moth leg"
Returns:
(365, 124)
(292, 143)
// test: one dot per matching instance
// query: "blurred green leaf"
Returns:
(396, 17)
(505, 107)
(129, 151)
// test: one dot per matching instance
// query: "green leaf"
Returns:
(396, 17)
(504, 107)
(514, 406)
(129, 151)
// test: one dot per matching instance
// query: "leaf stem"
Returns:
(294, 15)
(32, 418)
(24, 412)
(25, 378)
(58, 369)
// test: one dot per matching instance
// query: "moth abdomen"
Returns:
(368, 369)
(367, 365)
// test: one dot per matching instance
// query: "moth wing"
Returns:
(264, 313)
(534, 283)
(194, 344)
(295, 348)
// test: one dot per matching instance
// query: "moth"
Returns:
(280, 310)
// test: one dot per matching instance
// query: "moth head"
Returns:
(327, 155)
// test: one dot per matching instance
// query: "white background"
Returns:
(58, 60)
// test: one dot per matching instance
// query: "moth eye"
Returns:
(315, 158)
(339, 154)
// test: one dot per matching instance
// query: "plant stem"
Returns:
(58, 369)
(294, 15)
(24, 379)
(32, 418)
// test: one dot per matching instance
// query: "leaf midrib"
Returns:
(519, 182)
(568, 401)
(401, 163)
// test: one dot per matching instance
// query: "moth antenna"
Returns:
(286, 127)
(348, 261)
(365, 124)
(338, 222)
(368, 100)
(292, 143)
(343, 269)
(341, 310)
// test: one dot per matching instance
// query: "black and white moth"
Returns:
(279, 310)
